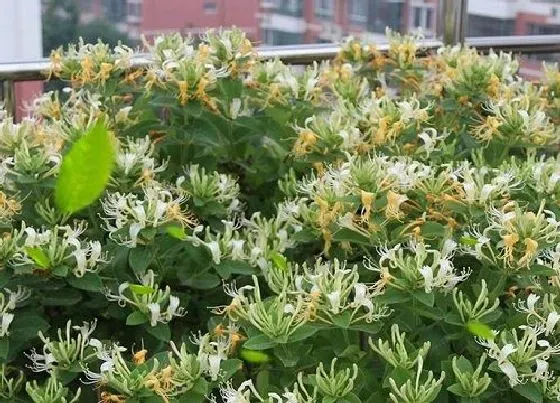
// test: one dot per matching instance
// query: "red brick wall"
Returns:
(523, 21)
(180, 15)
(26, 92)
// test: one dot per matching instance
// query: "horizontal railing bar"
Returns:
(307, 54)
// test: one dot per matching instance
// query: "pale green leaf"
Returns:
(85, 169)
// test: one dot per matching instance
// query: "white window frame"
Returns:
(426, 24)
(322, 11)
(361, 17)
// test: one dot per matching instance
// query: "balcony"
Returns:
(451, 17)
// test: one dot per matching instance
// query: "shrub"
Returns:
(381, 227)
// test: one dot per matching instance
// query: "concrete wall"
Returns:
(20, 41)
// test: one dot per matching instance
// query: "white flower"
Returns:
(237, 251)
(41, 362)
(531, 301)
(214, 361)
(7, 319)
(551, 321)
(361, 297)
(428, 274)
(334, 301)
(541, 372)
(214, 248)
(155, 314)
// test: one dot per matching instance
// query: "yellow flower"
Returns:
(175, 213)
(367, 200)
(139, 357)
(531, 247)
(493, 86)
(394, 201)
(105, 71)
(86, 74)
(56, 64)
(510, 240)
(183, 92)
(306, 139)
(488, 130)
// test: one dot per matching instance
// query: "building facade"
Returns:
(21, 41)
(287, 22)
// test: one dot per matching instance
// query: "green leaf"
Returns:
(347, 235)
(64, 297)
(139, 259)
(531, 391)
(259, 342)
(464, 365)
(60, 271)
(302, 332)
(263, 382)
(432, 230)
(160, 332)
(4, 349)
(538, 270)
(85, 169)
(457, 389)
(136, 318)
(343, 319)
(426, 298)
(399, 375)
(139, 289)
(279, 261)
(229, 368)
(38, 256)
(468, 241)
(371, 328)
(228, 267)
(254, 356)
(350, 398)
(480, 329)
(176, 232)
(291, 354)
(204, 281)
(197, 394)
(89, 282)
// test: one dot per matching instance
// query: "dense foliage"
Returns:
(216, 227)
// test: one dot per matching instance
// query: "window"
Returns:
(290, 7)
(277, 37)
(135, 9)
(115, 10)
(210, 7)
(423, 18)
(358, 11)
(480, 25)
(324, 8)
(384, 14)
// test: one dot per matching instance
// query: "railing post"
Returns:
(7, 97)
(452, 21)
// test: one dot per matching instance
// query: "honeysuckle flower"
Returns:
(158, 304)
(501, 355)
(158, 207)
(243, 394)
(135, 159)
(60, 246)
(541, 372)
(551, 321)
(395, 351)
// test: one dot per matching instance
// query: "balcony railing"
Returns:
(452, 19)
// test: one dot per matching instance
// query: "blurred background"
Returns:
(30, 29)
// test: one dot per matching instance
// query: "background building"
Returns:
(282, 22)
(20, 40)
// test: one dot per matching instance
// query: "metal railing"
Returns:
(452, 21)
